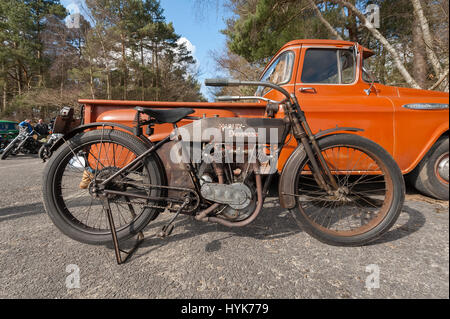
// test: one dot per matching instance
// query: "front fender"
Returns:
(287, 179)
(288, 176)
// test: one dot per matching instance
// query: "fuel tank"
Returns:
(235, 130)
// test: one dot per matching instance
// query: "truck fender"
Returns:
(287, 180)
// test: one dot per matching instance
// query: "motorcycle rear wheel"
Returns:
(369, 199)
(94, 156)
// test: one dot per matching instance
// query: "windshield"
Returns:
(279, 72)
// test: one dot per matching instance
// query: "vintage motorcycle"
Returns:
(106, 184)
(25, 142)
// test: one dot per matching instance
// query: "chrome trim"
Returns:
(443, 168)
(426, 106)
(234, 98)
(307, 89)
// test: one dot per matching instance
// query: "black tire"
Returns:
(426, 178)
(391, 206)
(8, 151)
(44, 152)
(56, 207)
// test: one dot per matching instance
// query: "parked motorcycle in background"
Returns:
(25, 143)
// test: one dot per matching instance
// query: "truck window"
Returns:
(347, 66)
(329, 66)
(279, 72)
(369, 71)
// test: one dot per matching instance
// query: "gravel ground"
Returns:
(271, 258)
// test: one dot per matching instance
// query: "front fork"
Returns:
(22, 143)
(303, 134)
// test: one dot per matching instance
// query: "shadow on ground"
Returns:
(14, 212)
(272, 223)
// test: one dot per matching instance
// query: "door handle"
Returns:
(306, 90)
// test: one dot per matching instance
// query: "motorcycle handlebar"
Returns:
(222, 82)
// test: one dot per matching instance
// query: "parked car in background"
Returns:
(8, 131)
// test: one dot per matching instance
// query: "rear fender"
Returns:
(83, 128)
(286, 185)
(146, 141)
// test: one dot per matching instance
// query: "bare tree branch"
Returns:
(427, 38)
(404, 72)
(441, 79)
(324, 21)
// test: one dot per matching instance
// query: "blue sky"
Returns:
(200, 24)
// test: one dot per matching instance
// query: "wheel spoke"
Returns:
(358, 196)
(78, 203)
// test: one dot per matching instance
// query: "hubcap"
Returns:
(442, 170)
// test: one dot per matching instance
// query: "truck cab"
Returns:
(333, 87)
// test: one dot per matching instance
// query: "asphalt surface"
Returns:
(271, 258)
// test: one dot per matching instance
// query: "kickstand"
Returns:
(117, 250)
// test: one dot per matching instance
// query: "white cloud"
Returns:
(188, 44)
(194, 69)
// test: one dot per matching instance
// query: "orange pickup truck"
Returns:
(334, 89)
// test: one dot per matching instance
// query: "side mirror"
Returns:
(372, 79)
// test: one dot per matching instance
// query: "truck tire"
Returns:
(430, 177)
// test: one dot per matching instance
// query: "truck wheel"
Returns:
(431, 175)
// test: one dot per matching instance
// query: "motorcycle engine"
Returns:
(237, 193)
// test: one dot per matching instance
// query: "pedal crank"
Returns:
(168, 228)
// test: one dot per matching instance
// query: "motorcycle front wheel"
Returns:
(9, 150)
(368, 200)
(79, 165)
(44, 152)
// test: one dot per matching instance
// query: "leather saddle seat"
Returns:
(166, 116)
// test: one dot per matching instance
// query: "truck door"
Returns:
(331, 92)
